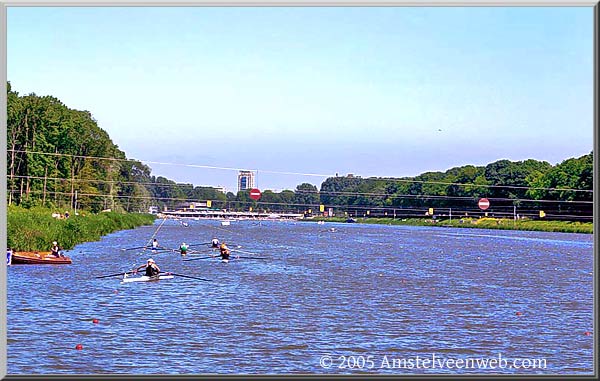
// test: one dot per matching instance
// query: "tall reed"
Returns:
(34, 229)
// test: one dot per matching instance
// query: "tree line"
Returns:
(57, 157)
(530, 185)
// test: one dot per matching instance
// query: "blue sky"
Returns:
(387, 91)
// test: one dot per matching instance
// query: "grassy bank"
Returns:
(481, 223)
(35, 228)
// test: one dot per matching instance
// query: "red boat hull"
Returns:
(38, 258)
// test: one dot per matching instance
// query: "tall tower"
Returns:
(245, 180)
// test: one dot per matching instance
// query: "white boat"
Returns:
(225, 223)
(145, 278)
(225, 260)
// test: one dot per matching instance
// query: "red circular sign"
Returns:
(255, 194)
(483, 203)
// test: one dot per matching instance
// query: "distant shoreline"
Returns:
(481, 223)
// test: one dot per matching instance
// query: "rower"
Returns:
(224, 251)
(183, 248)
(154, 244)
(215, 243)
(152, 268)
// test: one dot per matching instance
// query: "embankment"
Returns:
(35, 229)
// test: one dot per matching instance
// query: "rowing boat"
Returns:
(38, 258)
(145, 278)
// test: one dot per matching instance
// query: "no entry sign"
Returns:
(483, 203)
(255, 194)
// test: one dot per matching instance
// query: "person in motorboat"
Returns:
(55, 250)
(215, 242)
(224, 251)
(183, 248)
(152, 269)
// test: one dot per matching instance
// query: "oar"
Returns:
(134, 248)
(195, 259)
(191, 277)
(195, 252)
(107, 276)
(252, 257)
(161, 250)
(198, 244)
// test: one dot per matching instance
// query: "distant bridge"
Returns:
(218, 214)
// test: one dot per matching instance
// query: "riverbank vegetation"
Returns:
(481, 223)
(58, 157)
(35, 228)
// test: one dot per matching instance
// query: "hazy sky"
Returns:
(389, 91)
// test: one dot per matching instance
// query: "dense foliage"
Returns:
(528, 185)
(54, 155)
(35, 228)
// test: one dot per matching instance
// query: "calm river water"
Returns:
(362, 299)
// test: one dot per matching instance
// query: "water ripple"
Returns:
(361, 290)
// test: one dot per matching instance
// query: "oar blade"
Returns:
(190, 277)
(195, 259)
(111, 275)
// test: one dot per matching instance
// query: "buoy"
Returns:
(519, 313)
(79, 347)
(588, 333)
(95, 321)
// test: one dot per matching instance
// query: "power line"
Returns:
(307, 174)
(301, 205)
(331, 193)
(113, 181)
(175, 164)
(397, 195)
(480, 185)
(336, 194)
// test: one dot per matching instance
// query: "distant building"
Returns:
(245, 180)
(153, 210)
